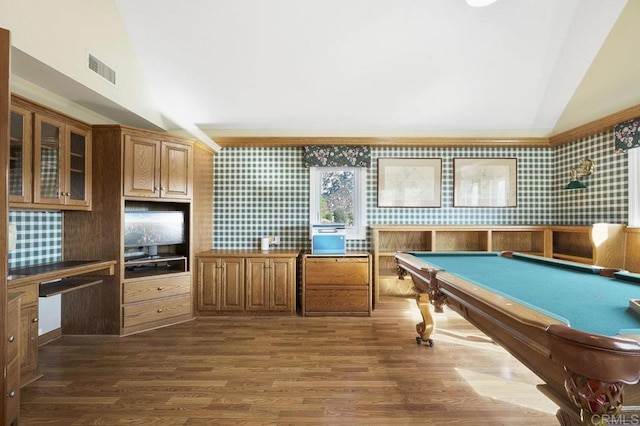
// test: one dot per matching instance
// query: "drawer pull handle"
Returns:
(11, 339)
(34, 320)
(160, 310)
(11, 394)
(160, 288)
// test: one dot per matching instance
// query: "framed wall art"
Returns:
(409, 182)
(485, 182)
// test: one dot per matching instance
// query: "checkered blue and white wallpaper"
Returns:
(605, 199)
(265, 191)
(39, 238)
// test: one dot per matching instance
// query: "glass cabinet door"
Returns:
(47, 161)
(20, 156)
(78, 157)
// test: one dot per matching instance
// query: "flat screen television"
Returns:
(149, 229)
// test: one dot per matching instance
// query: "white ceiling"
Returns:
(341, 66)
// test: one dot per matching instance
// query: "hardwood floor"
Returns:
(286, 371)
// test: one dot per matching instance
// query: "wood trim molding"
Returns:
(5, 105)
(286, 141)
(600, 125)
(50, 336)
(596, 126)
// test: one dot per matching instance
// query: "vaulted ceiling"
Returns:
(401, 67)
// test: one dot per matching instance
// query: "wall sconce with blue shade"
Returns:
(585, 168)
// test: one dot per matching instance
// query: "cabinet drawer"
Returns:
(155, 288)
(337, 270)
(156, 310)
(336, 300)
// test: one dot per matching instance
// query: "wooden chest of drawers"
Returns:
(336, 285)
(156, 301)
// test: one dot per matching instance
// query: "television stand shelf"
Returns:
(155, 265)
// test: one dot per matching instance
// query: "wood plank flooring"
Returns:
(286, 371)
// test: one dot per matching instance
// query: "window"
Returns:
(338, 195)
(634, 186)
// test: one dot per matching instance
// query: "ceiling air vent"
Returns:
(102, 69)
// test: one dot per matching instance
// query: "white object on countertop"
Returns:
(264, 243)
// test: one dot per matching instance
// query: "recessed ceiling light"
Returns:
(480, 3)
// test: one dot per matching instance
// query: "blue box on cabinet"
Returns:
(328, 239)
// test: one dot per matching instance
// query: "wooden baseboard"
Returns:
(49, 337)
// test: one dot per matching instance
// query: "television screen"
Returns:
(153, 228)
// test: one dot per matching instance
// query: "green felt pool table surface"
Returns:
(571, 293)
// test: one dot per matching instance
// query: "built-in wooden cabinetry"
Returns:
(32, 282)
(28, 332)
(599, 244)
(138, 170)
(220, 283)
(20, 155)
(336, 284)
(632, 250)
(50, 159)
(12, 359)
(270, 284)
(157, 168)
(246, 281)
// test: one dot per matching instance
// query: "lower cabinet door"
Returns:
(12, 393)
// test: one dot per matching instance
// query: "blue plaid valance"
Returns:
(627, 134)
(337, 156)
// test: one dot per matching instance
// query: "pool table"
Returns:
(568, 323)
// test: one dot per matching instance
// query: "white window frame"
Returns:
(633, 159)
(359, 230)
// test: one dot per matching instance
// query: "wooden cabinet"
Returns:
(389, 239)
(20, 156)
(600, 244)
(155, 292)
(220, 284)
(52, 168)
(157, 168)
(128, 164)
(269, 284)
(336, 285)
(246, 281)
(28, 332)
(156, 300)
(632, 250)
(29, 344)
(12, 358)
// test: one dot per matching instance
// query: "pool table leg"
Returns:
(425, 328)
(595, 398)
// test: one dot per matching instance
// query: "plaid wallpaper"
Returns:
(605, 199)
(265, 191)
(39, 237)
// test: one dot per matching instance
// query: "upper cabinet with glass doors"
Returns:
(20, 156)
(61, 162)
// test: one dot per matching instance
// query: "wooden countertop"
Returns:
(249, 253)
(59, 270)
